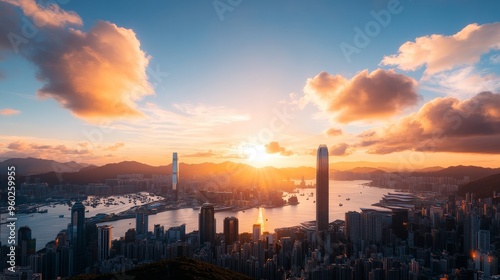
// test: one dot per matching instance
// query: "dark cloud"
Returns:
(443, 125)
(367, 96)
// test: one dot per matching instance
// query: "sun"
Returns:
(256, 154)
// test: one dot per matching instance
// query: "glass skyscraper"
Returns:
(78, 235)
(104, 237)
(322, 194)
(207, 224)
(230, 230)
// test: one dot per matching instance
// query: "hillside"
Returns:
(32, 166)
(483, 187)
(474, 172)
(227, 172)
(178, 268)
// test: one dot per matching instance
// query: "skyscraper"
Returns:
(175, 175)
(207, 224)
(78, 235)
(322, 171)
(27, 244)
(104, 237)
(230, 230)
(256, 232)
(141, 221)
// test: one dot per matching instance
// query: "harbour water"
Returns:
(351, 194)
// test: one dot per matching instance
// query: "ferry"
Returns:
(293, 200)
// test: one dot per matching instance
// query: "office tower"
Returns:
(471, 227)
(256, 232)
(400, 223)
(322, 192)
(141, 221)
(230, 230)
(175, 234)
(483, 241)
(207, 224)
(130, 235)
(27, 244)
(78, 236)
(104, 237)
(158, 231)
(353, 227)
(175, 175)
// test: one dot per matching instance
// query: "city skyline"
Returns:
(255, 83)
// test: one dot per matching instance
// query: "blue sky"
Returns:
(219, 78)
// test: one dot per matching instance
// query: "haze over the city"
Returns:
(414, 83)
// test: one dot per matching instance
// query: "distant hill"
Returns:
(226, 173)
(178, 268)
(33, 166)
(346, 165)
(366, 170)
(431, 169)
(483, 187)
(474, 172)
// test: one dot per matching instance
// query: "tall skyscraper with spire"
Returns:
(322, 193)
(175, 175)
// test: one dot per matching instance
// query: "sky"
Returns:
(411, 83)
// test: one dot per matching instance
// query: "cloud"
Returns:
(96, 74)
(114, 147)
(342, 149)
(212, 114)
(275, 148)
(17, 146)
(9, 22)
(50, 15)
(8, 112)
(440, 53)
(333, 132)
(442, 125)
(495, 59)
(367, 96)
(45, 150)
(463, 82)
(206, 154)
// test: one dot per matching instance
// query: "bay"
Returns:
(46, 226)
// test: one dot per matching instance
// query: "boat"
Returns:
(340, 204)
(293, 200)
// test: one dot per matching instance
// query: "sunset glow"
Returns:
(103, 88)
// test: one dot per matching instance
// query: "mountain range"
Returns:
(54, 172)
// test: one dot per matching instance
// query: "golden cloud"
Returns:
(367, 96)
